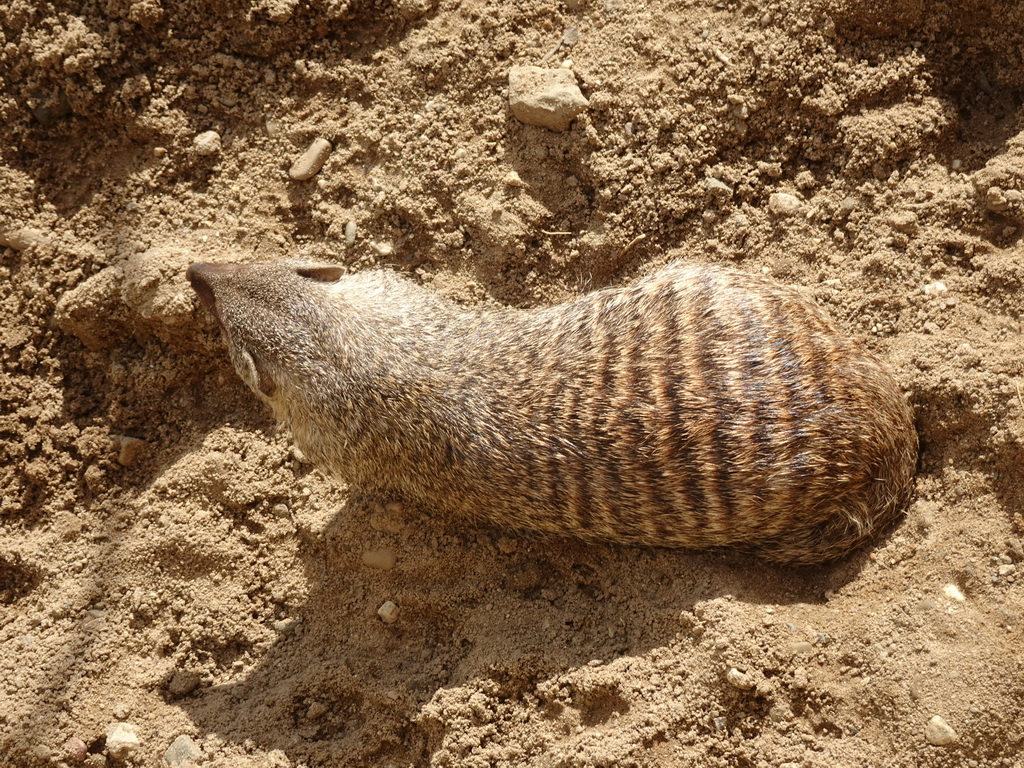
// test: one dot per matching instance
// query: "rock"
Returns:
(800, 648)
(741, 680)
(50, 109)
(183, 753)
(311, 161)
(905, 222)
(388, 612)
(316, 710)
(182, 683)
(784, 204)
(939, 733)
(75, 750)
(549, 98)
(130, 450)
(286, 626)
(122, 739)
(350, 233)
(22, 237)
(207, 143)
(718, 188)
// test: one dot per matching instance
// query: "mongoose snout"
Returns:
(698, 407)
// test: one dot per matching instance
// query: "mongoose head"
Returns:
(273, 321)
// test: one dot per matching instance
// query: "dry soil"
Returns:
(169, 564)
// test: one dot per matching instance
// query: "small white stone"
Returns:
(350, 232)
(122, 739)
(1007, 569)
(934, 288)
(784, 204)
(207, 143)
(739, 679)
(388, 612)
(952, 591)
(939, 733)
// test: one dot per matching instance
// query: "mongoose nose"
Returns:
(200, 274)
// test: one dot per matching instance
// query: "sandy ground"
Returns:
(169, 568)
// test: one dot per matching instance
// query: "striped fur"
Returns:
(699, 407)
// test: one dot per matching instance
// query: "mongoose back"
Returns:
(698, 407)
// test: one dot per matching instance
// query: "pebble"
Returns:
(740, 680)
(207, 143)
(182, 682)
(934, 288)
(75, 750)
(718, 188)
(311, 161)
(952, 591)
(549, 98)
(939, 733)
(285, 626)
(995, 199)
(388, 612)
(131, 449)
(23, 237)
(382, 248)
(847, 205)
(316, 710)
(1007, 570)
(800, 648)
(183, 753)
(350, 233)
(382, 559)
(122, 739)
(905, 222)
(784, 204)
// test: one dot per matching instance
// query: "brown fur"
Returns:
(698, 407)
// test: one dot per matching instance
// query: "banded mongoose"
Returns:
(698, 407)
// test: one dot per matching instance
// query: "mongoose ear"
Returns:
(321, 273)
(256, 374)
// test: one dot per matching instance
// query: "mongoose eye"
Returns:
(322, 274)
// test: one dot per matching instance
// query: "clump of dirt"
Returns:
(167, 561)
